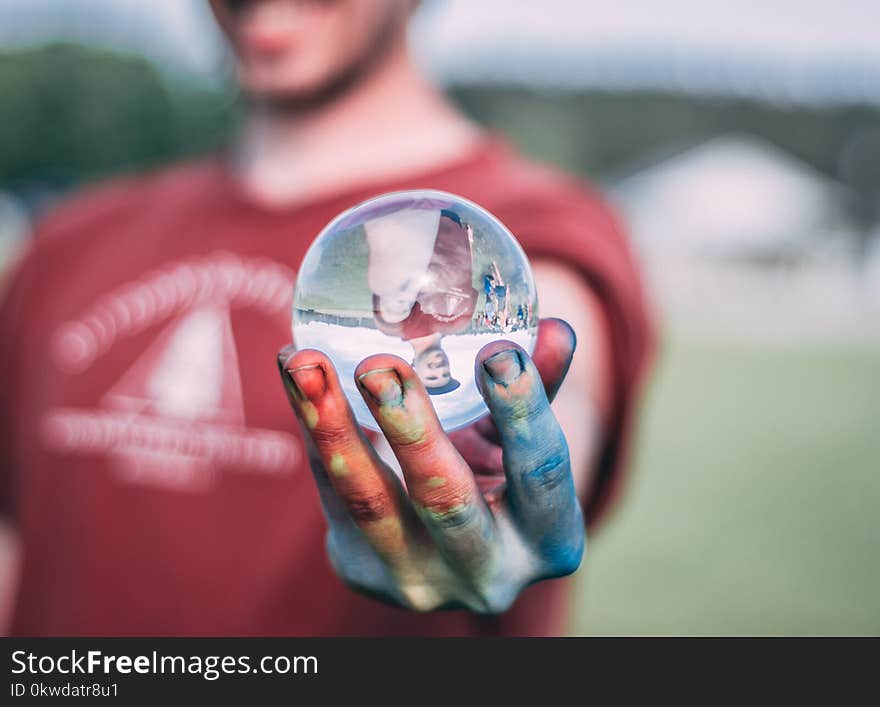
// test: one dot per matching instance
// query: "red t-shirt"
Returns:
(148, 453)
(440, 311)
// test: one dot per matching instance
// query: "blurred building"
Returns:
(735, 225)
(178, 35)
(735, 197)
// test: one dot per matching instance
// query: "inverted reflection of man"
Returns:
(397, 272)
(423, 291)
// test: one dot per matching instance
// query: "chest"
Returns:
(151, 354)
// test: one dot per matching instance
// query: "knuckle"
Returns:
(448, 517)
(368, 506)
(495, 598)
(420, 597)
(413, 442)
(450, 496)
(329, 434)
(552, 473)
(497, 604)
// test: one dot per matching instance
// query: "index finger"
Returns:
(369, 490)
(440, 483)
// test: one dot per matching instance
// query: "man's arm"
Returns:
(583, 404)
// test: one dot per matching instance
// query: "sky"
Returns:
(787, 50)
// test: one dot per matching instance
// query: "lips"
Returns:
(270, 26)
(263, 42)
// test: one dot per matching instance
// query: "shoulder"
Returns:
(94, 208)
(554, 215)
(535, 199)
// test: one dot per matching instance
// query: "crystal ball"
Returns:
(425, 275)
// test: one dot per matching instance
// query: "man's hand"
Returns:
(442, 541)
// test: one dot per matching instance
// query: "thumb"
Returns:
(553, 352)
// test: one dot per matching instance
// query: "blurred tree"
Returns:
(860, 169)
(596, 133)
(70, 114)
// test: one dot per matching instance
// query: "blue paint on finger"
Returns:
(541, 489)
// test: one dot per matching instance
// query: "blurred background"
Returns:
(741, 143)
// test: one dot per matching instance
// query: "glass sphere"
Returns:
(425, 275)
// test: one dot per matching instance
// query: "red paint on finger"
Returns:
(383, 385)
(504, 367)
(310, 380)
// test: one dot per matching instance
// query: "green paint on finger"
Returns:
(518, 419)
(406, 429)
(338, 467)
(445, 516)
(436, 482)
(309, 414)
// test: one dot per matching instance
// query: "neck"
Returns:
(392, 123)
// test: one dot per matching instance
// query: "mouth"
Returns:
(268, 26)
(273, 26)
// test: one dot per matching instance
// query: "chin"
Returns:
(276, 83)
(285, 92)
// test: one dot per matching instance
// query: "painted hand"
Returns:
(444, 540)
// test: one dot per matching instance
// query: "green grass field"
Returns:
(754, 507)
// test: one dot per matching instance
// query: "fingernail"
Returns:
(504, 367)
(383, 385)
(309, 381)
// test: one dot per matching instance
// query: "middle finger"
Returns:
(440, 483)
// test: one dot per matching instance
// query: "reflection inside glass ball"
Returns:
(425, 275)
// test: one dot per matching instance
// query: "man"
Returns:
(156, 479)
(423, 300)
